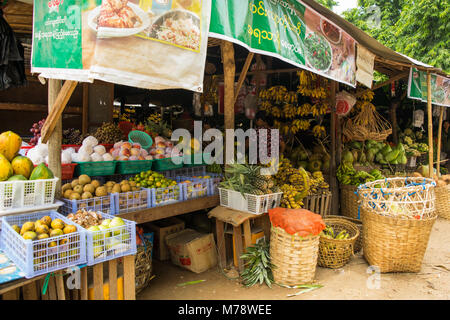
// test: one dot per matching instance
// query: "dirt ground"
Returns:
(348, 283)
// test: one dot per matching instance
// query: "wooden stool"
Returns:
(239, 220)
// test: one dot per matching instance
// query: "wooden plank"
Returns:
(112, 265)
(85, 112)
(441, 116)
(51, 289)
(238, 245)
(333, 182)
(229, 68)
(430, 125)
(129, 281)
(83, 284)
(13, 294)
(247, 234)
(55, 135)
(30, 291)
(57, 108)
(384, 83)
(221, 243)
(243, 74)
(157, 213)
(60, 291)
(98, 281)
(265, 224)
(13, 106)
(5, 287)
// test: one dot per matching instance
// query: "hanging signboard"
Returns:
(440, 88)
(365, 61)
(288, 30)
(154, 44)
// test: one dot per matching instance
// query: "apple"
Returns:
(125, 152)
(160, 150)
(135, 151)
(161, 145)
(136, 146)
(126, 145)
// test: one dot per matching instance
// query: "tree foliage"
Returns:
(328, 3)
(417, 28)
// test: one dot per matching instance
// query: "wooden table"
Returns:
(171, 210)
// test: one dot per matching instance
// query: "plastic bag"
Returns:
(344, 103)
(297, 221)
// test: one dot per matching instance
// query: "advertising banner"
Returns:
(154, 44)
(440, 88)
(288, 30)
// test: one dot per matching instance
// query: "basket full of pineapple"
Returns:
(244, 188)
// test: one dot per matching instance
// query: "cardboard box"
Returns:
(192, 250)
(163, 228)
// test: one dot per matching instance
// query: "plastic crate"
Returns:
(133, 201)
(95, 168)
(104, 204)
(133, 167)
(186, 171)
(249, 203)
(165, 196)
(111, 243)
(38, 257)
(24, 194)
(214, 182)
(196, 188)
(166, 164)
(194, 160)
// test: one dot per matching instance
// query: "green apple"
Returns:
(106, 222)
(116, 222)
(102, 228)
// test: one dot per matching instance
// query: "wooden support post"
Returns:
(30, 291)
(57, 99)
(112, 265)
(430, 126)
(11, 294)
(229, 69)
(51, 289)
(85, 120)
(441, 116)
(129, 281)
(237, 231)
(221, 246)
(84, 284)
(98, 281)
(55, 140)
(59, 278)
(243, 74)
(247, 234)
(333, 182)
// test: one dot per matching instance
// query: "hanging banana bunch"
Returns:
(276, 112)
(367, 96)
(291, 97)
(301, 125)
(319, 131)
(289, 111)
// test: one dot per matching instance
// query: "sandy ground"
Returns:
(348, 283)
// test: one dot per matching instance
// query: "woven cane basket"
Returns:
(294, 257)
(143, 266)
(349, 201)
(335, 253)
(443, 201)
(358, 243)
(395, 244)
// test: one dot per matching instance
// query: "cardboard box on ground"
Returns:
(192, 250)
(163, 228)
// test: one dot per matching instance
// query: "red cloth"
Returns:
(297, 221)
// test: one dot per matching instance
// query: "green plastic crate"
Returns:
(192, 157)
(133, 166)
(166, 164)
(95, 168)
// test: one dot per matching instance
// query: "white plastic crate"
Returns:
(196, 188)
(111, 243)
(42, 256)
(15, 195)
(165, 196)
(104, 204)
(250, 203)
(132, 201)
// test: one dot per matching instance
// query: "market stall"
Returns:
(135, 181)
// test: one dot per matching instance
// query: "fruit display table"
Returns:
(93, 284)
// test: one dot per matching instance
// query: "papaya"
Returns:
(6, 170)
(10, 144)
(17, 177)
(41, 172)
(22, 166)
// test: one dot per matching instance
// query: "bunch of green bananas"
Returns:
(329, 233)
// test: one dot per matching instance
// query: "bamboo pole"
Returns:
(229, 69)
(333, 182)
(55, 139)
(441, 116)
(243, 74)
(430, 126)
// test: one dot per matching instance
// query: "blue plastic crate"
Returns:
(42, 256)
(165, 196)
(187, 171)
(133, 201)
(104, 204)
(214, 182)
(196, 188)
(111, 243)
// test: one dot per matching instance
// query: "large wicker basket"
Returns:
(294, 257)
(143, 266)
(335, 253)
(358, 243)
(395, 244)
(443, 201)
(349, 201)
